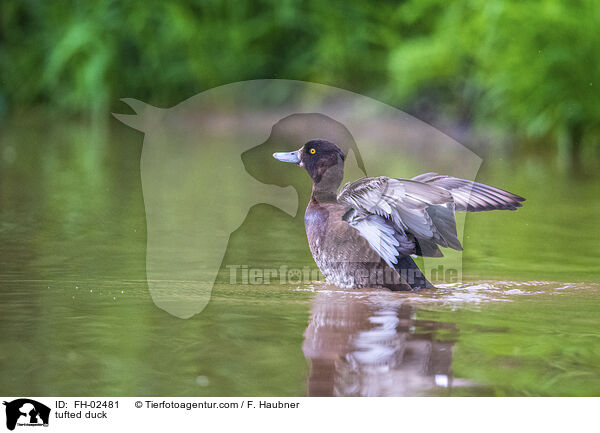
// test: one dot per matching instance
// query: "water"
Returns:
(77, 318)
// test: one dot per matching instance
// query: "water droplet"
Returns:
(441, 380)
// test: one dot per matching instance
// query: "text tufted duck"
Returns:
(364, 235)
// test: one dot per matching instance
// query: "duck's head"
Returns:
(323, 161)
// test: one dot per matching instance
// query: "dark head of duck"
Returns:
(324, 162)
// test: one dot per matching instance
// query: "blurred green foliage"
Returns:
(532, 67)
(528, 68)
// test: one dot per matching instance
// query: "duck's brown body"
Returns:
(346, 258)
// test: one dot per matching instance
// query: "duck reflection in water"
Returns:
(366, 344)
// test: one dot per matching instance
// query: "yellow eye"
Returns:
(313, 151)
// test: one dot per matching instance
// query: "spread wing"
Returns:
(401, 216)
(472, 196)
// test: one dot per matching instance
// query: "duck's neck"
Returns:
(323, 196)
(325, 186)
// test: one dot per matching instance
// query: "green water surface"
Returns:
(77, 318)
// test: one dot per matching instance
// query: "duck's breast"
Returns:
(338, 249)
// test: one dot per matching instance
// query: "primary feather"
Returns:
(472, 196)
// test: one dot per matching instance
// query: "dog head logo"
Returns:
(26, 412)
(207, 161)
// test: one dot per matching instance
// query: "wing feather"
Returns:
(401, 216)
(416, 216)
(473, 196)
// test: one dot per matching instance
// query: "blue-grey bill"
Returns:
(288, 156)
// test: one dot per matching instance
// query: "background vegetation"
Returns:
(525, 72)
